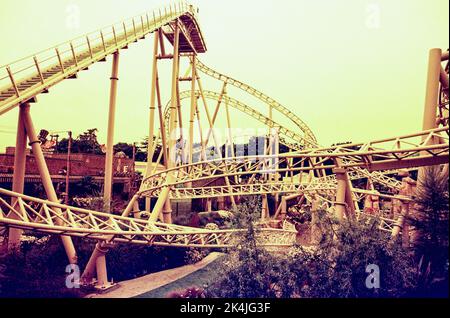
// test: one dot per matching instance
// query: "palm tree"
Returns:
(431, 223)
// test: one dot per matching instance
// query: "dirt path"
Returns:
(141, 285)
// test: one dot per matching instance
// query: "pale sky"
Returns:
(351, 69)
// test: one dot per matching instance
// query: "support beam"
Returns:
(152, 143)
(264, 208)
(431, 97)
(174, 99)
(167, 212)
(107, 189)
(429, 122)
(341, 190)
(283, 209)
(405, 229)
(97, 264)
(193, 111)
(216, 110)
(162, 126)
(20, 159)
(46, 179)
(170, 159)
(98, 259)
(315, 234)
(408, 188)
(230, 137)
(200, 131)
(208, 205)
(180, 126)
(432, 90)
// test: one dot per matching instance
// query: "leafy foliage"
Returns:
(335, 268)
(250, 271)
(431, 222)
(38, 268)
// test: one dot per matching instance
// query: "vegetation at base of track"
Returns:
(336, 267)
(38, 268)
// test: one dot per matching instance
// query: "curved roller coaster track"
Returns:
(307, 172)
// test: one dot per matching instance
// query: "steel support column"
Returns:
(20, 158)
(107, 188)
(164, 195)
(429, 116)
(152, 143)
(264, 208)
(431, 97)
(193, 110)
(46, 179)
(341, 190)
(315, 234)
(98, 259)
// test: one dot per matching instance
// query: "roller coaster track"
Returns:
(252, 112)
(309, 138)
(48, 217)
(398, 152)
(299, 142)
(286, 186)
(308, 141)
(23, 80)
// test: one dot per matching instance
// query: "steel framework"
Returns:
(307, 173)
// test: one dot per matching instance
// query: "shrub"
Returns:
(431, 224)
(38, 268)
(249, 271)
(335, 268)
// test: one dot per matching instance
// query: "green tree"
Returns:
(249, 271)
(86, 186)
(337, 268)
(87, 142)
(84, 143)
(124, 147)
(431, 221)
(143, 149)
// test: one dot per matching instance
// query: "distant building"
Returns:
(81, 165)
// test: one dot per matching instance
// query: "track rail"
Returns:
(23, 80)
(298, 141)
(309, 135)
(44, 216)
(392, 153)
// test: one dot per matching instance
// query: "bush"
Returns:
(38, 268)
(338, 266)
(249, 271)
(431, 224)
(335, 268)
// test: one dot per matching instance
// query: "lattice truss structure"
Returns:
(307, 169)
(394, 153)
(31, 213)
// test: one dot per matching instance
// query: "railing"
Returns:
(12, 74)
